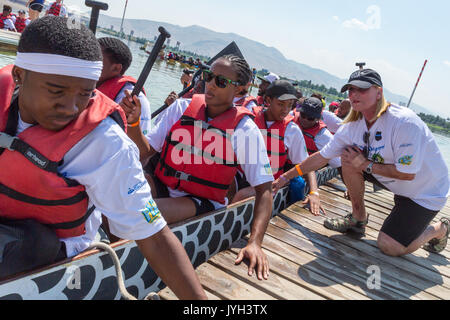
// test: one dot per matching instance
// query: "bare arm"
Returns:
(311, 164)
(169, 260)
(262, 215)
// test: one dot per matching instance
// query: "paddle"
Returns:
(150, 61)
(232, 48)
(96, 7)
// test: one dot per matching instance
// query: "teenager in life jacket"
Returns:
(201, 142)
(284, 140)
(315, 132)
(6, 19)
(244, 99)
(57, 9)
(265, 83)
(66, 159)
(21, 21)
(117, 86)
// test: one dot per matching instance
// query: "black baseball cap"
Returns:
(282, 90)
(312, 107)
(363, 79)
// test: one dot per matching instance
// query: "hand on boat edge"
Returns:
(257, 259)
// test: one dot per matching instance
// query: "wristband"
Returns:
(133, 125)
(299, 170)
(315, 193)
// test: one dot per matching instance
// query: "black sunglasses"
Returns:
(305, 116)
(367, 146)
(221, 81)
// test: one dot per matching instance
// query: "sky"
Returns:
(392, 37)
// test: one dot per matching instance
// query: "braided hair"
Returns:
(117, 51)
(52, 35)
(241, 68)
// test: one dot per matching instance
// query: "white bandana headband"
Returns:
(60, 65)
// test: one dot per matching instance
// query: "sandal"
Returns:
(438, 245)
(348, 223)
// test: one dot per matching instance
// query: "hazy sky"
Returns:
(392, 37)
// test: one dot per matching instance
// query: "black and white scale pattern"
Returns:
(94, 277)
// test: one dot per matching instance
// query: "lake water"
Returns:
(165, 78)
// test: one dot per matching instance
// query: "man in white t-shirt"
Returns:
(391, 146)
(201, 144)
(284, 140)
(67, 160)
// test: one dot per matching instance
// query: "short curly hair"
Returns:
(52, 35)
(117, 51)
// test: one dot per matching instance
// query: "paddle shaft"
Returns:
(95, 12)
(417, 83)
(151, 60)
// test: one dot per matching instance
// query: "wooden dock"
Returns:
(308, 261)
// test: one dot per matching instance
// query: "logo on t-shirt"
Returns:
(151, 212)
(136, 187)
(406, 160)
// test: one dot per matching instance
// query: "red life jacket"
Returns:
(20, 24)
(2, 21)
(112, 87)
(274, 139)
(197, 156)
(310, 134)
(55, 9)
(31, 186)
(244, 101)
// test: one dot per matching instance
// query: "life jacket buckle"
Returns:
(6, 141)
(182, 176)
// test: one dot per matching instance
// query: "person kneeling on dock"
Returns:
(284, 139)
(392, 147)
(201, 144)
(66, 159)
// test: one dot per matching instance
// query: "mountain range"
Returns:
(207, 42)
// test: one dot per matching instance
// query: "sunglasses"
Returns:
(305, 116)
(221, 81)
(367, 146)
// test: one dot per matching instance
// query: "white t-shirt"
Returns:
(331, 120)
(107, 163)
(321, 140)
(9, 24)
(247, 141)
(249, 105)
(399, 137)
(146, 113)
(294, 142)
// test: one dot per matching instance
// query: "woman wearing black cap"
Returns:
(388, 145)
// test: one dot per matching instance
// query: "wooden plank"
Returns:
(349, 266)
(343, 207)
(288, 262)
(276, 286)
(167, 294)
(368, 250)
(226, 286)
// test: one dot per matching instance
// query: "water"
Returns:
(165, 78)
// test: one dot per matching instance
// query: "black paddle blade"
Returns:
(232, 48)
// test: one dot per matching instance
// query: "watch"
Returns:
(369, 168)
